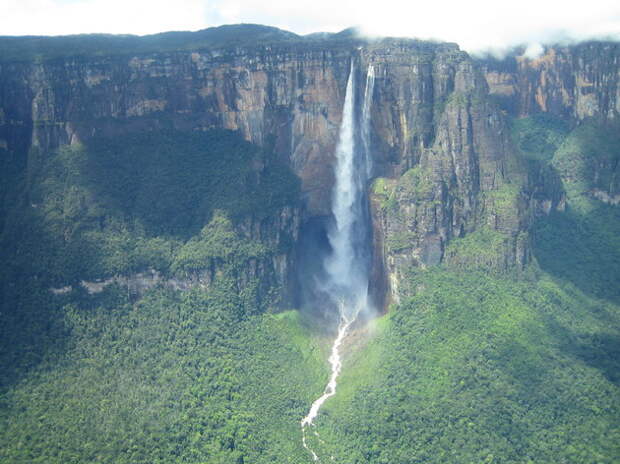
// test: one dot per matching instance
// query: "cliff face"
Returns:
(447, 170)
(289, 95)
(293, 96)
(470, 197)
(412, 84)
(468, 184)
(574, 82)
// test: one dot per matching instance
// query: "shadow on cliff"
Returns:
(172, 181)
(583, 249)
(115, 206)
(310, 275)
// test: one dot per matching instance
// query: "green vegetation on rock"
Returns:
(385, 191)
(483, 248)
(415, 184)
(202, 375)
(126, 204)
(539, 136)
(217, 243)
(587, 161)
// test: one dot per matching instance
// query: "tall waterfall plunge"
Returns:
(347, 266)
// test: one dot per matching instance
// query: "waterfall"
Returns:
(368, 94)
(347, 267)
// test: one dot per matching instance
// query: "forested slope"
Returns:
(487, 366)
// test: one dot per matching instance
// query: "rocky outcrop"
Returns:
(136, 284)
(467, 198)
(468, 185)
(573, 82)
(412, 84)
(441, 146)
(292, 95)
(278, 234)
(289, 95)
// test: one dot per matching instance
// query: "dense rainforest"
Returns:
(154, 197)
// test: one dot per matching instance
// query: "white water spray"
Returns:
(368, 94)
(346, 266)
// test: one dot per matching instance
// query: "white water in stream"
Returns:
(346, 267)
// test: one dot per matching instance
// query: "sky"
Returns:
(476, 25)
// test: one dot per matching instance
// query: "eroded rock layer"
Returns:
(445, 165)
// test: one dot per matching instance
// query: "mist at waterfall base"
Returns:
(341, 283)
(335, 251)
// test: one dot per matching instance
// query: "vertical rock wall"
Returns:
(442, 151)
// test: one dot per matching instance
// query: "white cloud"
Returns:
(476, 25)
(61, 17)
(533, 50)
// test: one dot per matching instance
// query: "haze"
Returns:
(477, 25)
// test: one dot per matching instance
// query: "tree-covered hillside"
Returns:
(500, 367)
(201, 375)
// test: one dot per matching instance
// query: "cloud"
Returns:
(62, 17)
(476, 25)
(533, 50)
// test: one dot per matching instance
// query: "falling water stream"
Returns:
(370, 86)
(347, 266)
